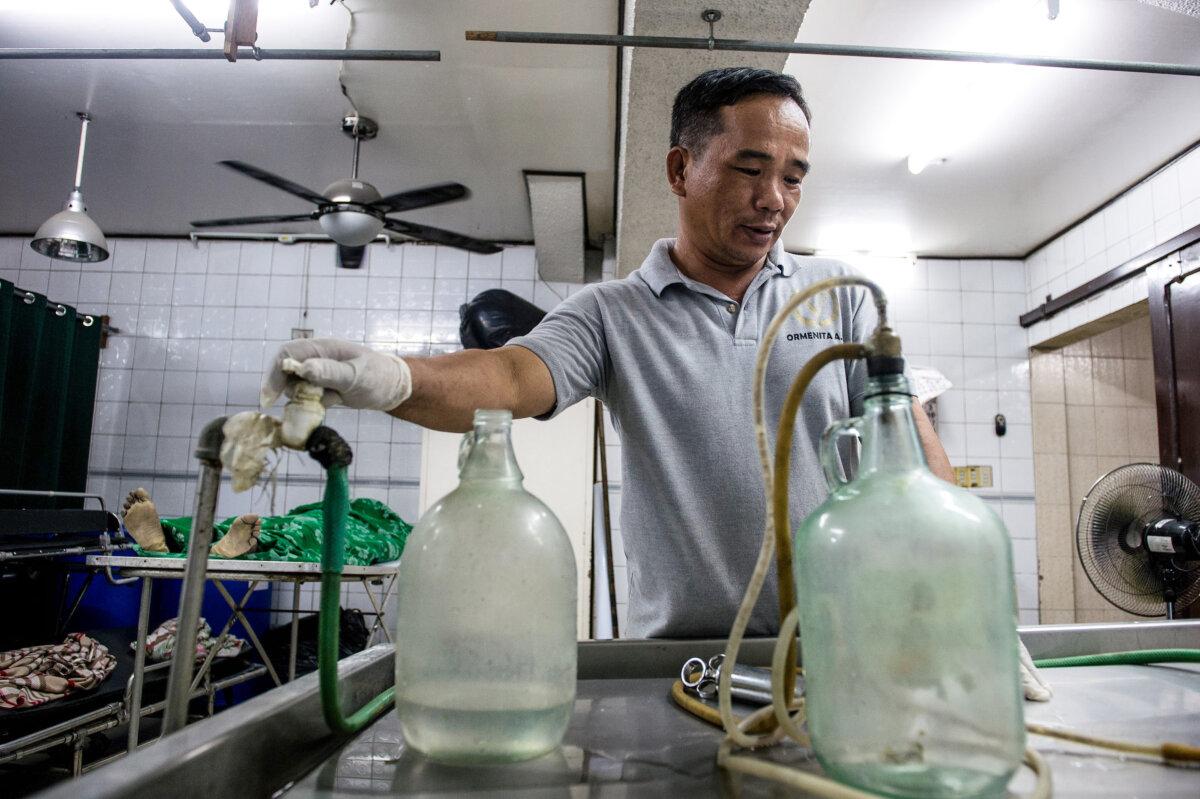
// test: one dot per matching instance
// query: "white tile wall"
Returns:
(971, 334)
(199, 322)
(1143, 217)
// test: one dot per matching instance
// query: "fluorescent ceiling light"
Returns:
(876, 239)
(961, 106)
(918, 160)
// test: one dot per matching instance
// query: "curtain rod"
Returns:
(58, 309)
(801, 48)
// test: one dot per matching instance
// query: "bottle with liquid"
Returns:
(905, 589)
(486, 615)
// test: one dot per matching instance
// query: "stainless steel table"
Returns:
(627, 739)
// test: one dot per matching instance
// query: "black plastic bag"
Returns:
(495, 316)
(352, 637)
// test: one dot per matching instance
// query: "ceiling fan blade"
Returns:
(439, 236)
(420, 198)
(253, 220)
(270, 179)
(350, 257)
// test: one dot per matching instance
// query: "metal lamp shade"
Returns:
(71, 235)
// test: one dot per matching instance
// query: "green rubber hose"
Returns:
(335, 508)
(1138, 657)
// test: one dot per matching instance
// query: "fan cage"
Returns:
(1124, 500)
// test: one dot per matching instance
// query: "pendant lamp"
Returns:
(71, 235)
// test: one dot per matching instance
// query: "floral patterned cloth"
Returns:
(160, 644)
(39, 674)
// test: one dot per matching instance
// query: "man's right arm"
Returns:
(442, 392)
(447, 389)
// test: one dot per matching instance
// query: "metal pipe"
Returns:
(139, 667)
(253, 636)
(35, 493)
(1118, 274)
(218, 641)
(295, 639)
(257, 54)
(196, 25)
(801, 48)
(191, 594)
(85, 119)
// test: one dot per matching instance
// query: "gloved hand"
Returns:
(351, 374)
(1036, 689)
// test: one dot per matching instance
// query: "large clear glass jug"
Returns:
(908, 637)
(485, 633)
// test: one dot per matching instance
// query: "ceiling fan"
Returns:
(352, 212)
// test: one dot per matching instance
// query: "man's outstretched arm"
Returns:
(447, 389)
(441, 392)
(935, 453)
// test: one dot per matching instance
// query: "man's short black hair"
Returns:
(696, 114)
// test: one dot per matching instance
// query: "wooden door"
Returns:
(1174, 288)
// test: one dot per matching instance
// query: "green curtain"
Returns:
(49, 358)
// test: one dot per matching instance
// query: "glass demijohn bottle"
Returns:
(905, 589)
(485, 634)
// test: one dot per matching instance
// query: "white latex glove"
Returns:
(351, 374)
(1036, 689)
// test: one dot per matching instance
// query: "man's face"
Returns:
(740, 189)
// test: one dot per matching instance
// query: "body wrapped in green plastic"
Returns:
(374, 534)
(907, 626)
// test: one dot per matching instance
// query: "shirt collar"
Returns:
(658, 270)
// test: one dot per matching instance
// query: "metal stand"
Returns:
(139, 665)
(378, 583)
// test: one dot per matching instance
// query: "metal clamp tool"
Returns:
(750, 684)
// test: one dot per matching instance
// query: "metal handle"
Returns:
(830, 462)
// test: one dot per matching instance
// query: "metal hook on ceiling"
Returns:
(711, 16)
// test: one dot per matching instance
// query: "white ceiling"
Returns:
(1041, 147)
(480, 116)
(1052, 145)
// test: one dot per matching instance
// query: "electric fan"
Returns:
(352, 211)
(1138, 538)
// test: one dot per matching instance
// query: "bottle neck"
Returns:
(889, 432)
(491, 456)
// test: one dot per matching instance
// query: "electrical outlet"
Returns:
(302, 332)
(973, 476)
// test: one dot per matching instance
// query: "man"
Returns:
(670, 350)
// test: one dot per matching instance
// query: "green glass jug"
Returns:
(486, 601)
(908, 638)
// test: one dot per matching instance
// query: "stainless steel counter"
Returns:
(627, 739)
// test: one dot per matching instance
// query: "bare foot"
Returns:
(141, 520)
(242, 538)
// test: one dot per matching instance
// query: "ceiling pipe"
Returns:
(256, 53)
(201, 32)
(800, 48)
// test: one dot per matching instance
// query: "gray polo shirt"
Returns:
(673, 359)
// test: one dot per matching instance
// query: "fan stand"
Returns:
(360, 129)
(1171, 577)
